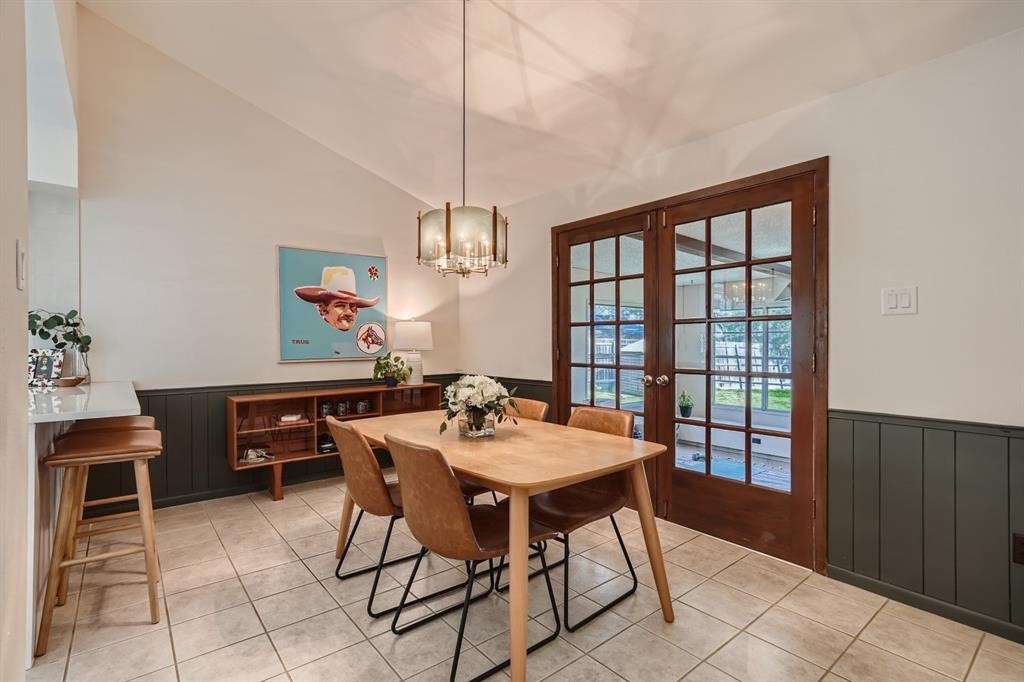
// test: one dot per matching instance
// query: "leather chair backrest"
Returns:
(616, 423)
(363, 478)
(434, 507)
(537, 410)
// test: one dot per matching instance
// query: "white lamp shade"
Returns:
(413, 335)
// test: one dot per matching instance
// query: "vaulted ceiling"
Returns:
(558, 90)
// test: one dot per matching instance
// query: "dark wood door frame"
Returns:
(819, 170)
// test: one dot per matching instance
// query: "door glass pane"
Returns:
(771, 403)
(604, 344)
(729, 346)
(690, 245)
(631, 254)
(770, 462)
(729, 238)
(631, 299)
(604, 301)
(729, 400)
(693, 405)
(579, 262)
(638, 427)
(631, 345)
(771, 346)
(604, 386)
(770, 231)
(691, 345)
(690, 447)
(579, 377)
(771, 289)
(580, 344)
(631, 390)
(604, 258)
(729, 292)
(690, 299)
(579, 303)
(728, 459)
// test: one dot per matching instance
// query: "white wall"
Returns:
(926, 190)
(185, 192)
(53, 256)
(13, 333)
(51, 63)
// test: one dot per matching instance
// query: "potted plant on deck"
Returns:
(392, 369)
(685, 403)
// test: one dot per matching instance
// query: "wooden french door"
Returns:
(704, 314)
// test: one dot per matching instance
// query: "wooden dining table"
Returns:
(521, 460)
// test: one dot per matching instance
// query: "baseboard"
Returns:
(930, 604)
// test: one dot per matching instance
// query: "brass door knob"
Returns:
(647, 380)
(662, 380)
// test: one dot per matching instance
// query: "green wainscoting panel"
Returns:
(927, 508)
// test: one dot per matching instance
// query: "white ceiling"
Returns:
(558, 91)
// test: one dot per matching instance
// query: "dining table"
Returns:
(524, 459)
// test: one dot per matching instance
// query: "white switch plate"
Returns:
(19, 265)
(899, 301)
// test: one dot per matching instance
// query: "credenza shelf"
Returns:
(298, 442)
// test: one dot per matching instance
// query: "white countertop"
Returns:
(88, 401)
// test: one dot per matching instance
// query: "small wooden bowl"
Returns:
(68, 382)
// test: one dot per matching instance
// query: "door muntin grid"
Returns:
(607, 324)
(732, 343)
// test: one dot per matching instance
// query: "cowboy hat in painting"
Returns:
(336, 283)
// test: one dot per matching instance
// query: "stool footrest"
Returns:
(111, 500)
(103, 557)
(110, 529)
(108, 517)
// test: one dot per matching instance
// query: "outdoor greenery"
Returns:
(778, 398)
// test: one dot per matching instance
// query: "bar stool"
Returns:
(75, 454)
(139, 422)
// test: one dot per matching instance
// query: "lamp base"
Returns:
(415, 362)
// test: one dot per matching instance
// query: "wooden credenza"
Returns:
(253, 421)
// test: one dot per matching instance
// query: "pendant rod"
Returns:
(464, 102)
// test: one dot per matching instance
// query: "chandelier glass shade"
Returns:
(463, 240)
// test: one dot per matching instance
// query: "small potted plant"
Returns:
(685, 403)
(67, 332)
(392, 369)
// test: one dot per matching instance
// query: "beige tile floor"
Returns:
(248, 593)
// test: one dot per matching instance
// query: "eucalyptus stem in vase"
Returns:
(477, 402)
(67, 332)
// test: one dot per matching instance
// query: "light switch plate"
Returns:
(899, 301)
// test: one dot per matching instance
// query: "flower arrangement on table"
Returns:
(477, 402)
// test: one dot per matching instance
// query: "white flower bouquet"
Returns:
(477, 401)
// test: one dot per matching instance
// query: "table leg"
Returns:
(519, 598)
(346, 521)
(651, 539)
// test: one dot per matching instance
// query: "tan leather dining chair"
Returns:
(365, 482)
(440, 520)
(567, 509)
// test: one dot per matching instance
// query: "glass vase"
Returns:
(474, 424)
(75, 364)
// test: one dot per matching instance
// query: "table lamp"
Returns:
(411, 337)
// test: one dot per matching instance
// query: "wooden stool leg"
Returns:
(72, 546)
(65, 524)
(148, 534)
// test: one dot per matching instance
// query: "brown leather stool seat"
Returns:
(440, 520)
(139, 421)
(75, 453)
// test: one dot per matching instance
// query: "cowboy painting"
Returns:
(332, 305)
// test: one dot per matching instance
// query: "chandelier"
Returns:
(464, 239)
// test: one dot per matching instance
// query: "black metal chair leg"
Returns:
(536, 645)
(573, 627)
(366, 569)
(539, 551)
(423, 620)
(471, 566)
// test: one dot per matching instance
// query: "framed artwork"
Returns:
(333, 306)
(44, 366)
